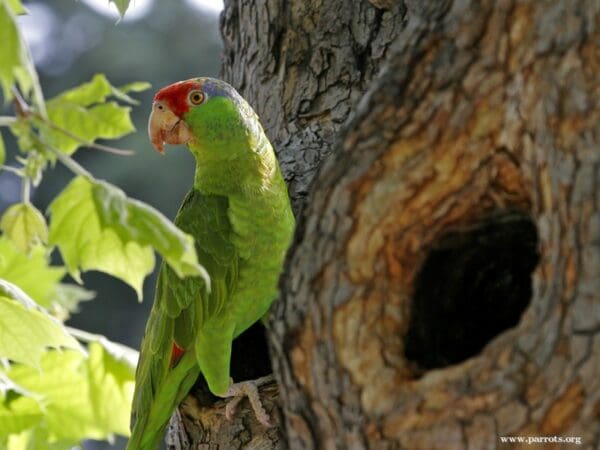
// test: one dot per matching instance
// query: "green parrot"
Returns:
(239, 214)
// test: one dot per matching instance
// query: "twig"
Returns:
(23, 109)
(7, 121)
(118, 350)
(36, 87)
(68, 162)
(25, 189)
(12, 170)
(84, 336)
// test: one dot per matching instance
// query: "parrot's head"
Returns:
(206, 114)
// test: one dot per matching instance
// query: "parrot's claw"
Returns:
(237, 391)
(231, 407)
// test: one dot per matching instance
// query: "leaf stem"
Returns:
(7, 121)
(68, 162)
(117, 349)
(25, 189)
(12, 170)
(27, 63)
(84, 336)
(21, 106)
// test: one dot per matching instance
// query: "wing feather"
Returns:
(182, 305)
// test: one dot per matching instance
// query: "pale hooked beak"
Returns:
(164, 127)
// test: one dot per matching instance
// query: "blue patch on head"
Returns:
(217, 88)
(213, 87)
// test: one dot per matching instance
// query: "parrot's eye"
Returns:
(196, 97)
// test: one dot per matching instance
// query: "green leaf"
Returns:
(62, 382)
(140, 222)
(15, 61)
(119, 234)
(87, 245)
(107, 120)
(21, 129)
(10, 50)
(37, 439)
(82, 112)
(7, 386)
(10, 290)
(17, 7)
(18, 412)
(86, 94)
(121, 5)
(35, 164)
(25, 332)
(25, 226)
(84, 396)
(19, 409)
(112, 378)
(30, 272)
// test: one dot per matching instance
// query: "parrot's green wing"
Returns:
(180, 309)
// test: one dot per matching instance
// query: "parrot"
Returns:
(239, 214)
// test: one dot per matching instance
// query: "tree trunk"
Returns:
(443, 289)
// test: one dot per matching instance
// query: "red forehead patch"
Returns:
(175, 95)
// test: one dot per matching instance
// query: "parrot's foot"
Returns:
(237, 392)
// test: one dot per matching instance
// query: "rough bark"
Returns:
(470, 160)
(303, 65)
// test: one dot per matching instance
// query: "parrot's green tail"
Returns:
(150, 425)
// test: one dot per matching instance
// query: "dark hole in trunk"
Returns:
(474, 284)
(249, 360)
(250, 354)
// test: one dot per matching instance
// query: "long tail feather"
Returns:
(150, 425)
